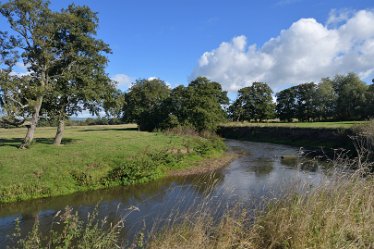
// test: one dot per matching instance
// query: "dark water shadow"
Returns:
(15, 142)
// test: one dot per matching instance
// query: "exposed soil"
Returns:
(209, 165)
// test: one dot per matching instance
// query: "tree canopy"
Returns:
(253, 103)
(65, 61)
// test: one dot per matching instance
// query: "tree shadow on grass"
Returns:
(16, 142)
(110, 129)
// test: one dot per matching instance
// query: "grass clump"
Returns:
(68, 230)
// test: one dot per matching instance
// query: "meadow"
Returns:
(93, 157)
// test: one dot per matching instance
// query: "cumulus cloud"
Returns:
(20, 69)
(306, 51)
(123, 80)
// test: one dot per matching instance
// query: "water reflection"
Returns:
(261, 174)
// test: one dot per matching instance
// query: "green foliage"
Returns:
(137, 170)
(204, 104)
(253, 103)
(143, 103)
(152, 105)
(286, 100)
(306, 97)
(370, 101)
(326, 99)
(66, 62)
(345, 97)
(351, 96)
(199, 105)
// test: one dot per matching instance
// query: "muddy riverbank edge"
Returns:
(208, 165)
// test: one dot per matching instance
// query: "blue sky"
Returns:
(167, 38)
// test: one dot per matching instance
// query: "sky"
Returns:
(236, 42)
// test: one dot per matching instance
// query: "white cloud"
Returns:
(20, 69)
(306, 51)
(123, 80)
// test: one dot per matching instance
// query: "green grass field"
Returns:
(88, 153)
(332, 125)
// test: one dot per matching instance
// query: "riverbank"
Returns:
(94, 157)
(207, 165)
(325, 136)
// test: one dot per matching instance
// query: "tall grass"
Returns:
(70, 231)
(339, 214)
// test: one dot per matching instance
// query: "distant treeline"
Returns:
(202, 105)
(344, 97)
(47, 122)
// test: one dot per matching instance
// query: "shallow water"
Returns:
(257, 176)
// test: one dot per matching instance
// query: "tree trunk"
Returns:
(33, 123)
(59, 131)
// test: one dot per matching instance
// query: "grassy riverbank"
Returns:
(312, 125)
(309, 135)
(93, 157)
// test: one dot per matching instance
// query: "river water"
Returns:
(259, 175)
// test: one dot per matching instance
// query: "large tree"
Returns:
(286, 104)
(202, 103)
(80, 81)
(253, 103)
(306, 105)
(351, 96)
(144, 102)
(33, 27)
(326, 100)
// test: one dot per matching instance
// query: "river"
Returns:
(259, 175)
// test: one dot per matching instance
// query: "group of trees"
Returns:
(344, 97)
(153, 105)
(65, 64)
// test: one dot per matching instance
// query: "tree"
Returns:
(33, 25)
(369, 96)
(14, 93)
(144, 103)
(203, 104)
(200, 105)
(326, 99)
(12, 106)
(175, 109)
(351, 96)
(286, 104)
(81, 81)
(236, 110)
(306, 108)
(254, 103)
